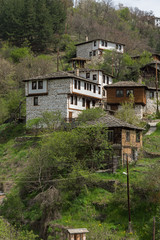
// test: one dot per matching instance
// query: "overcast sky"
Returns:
(144, 5)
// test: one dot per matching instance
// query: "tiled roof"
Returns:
(99, 39)
(58, 75)
(126, 84)
(77, 230)
(112, 122)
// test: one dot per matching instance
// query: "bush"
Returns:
(19, 53)
(90, 115)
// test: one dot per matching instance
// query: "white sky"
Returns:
(144, 5)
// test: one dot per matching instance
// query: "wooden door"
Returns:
(87, 104)
(70, 115)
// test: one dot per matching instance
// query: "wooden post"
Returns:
(154, 228)
(128, 196)
(57, 59)
(157, 112)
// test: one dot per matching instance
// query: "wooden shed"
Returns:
(77, 233)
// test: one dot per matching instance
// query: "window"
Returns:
(151, 94)
(104, 79)
(102, 43)
(85, 86)
(34, 85)
(129, 92)
(116, 46)
(90, 54)
(95, 43)
(40, 84)
(105, 43)
(79, 85)
(90, 87)
(107, 80)
(83, 102)
(75, 84)
(93, 103)
(94, 53)
(137, 136)
(94, 76)
(94, 88)
(104, 93)
(120, 47)
(35, 101)
(99, 90)
(127, 136)
(71, 99)
(87, 75)
(110, 135)
(119, 93)
(75, 100)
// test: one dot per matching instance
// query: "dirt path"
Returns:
(152, 126)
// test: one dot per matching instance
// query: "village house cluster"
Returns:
(80, 89)
(83, 88)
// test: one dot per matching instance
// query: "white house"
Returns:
(157, 22)
(90, 49)
(65, 92)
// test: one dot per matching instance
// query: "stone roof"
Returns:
(58, 75)
(97, 40)
(77, 230)
(125, 84)
(112, 122)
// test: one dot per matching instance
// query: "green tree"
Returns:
(30, 20)
(123, 67)
(127, 112)
(11, 21)
(90, 115)
(7, 232)
(51, 120)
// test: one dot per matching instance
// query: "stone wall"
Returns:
(151, 105)
(83, 50)
(139, 110)
(56, 100)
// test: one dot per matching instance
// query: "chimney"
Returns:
(77, 72)
(86, 38)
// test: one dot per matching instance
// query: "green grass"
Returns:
(13, 154)
(152, 142)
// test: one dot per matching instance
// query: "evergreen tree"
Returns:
(11, 21)
(43, 30)
(29, 20)
(35, 21)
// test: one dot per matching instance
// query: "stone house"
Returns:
(69, 93)
(144, 97)
(95, 48)
(125, 138)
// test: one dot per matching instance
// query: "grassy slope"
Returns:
(13, 154)
(152, 142)
(95, 208)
